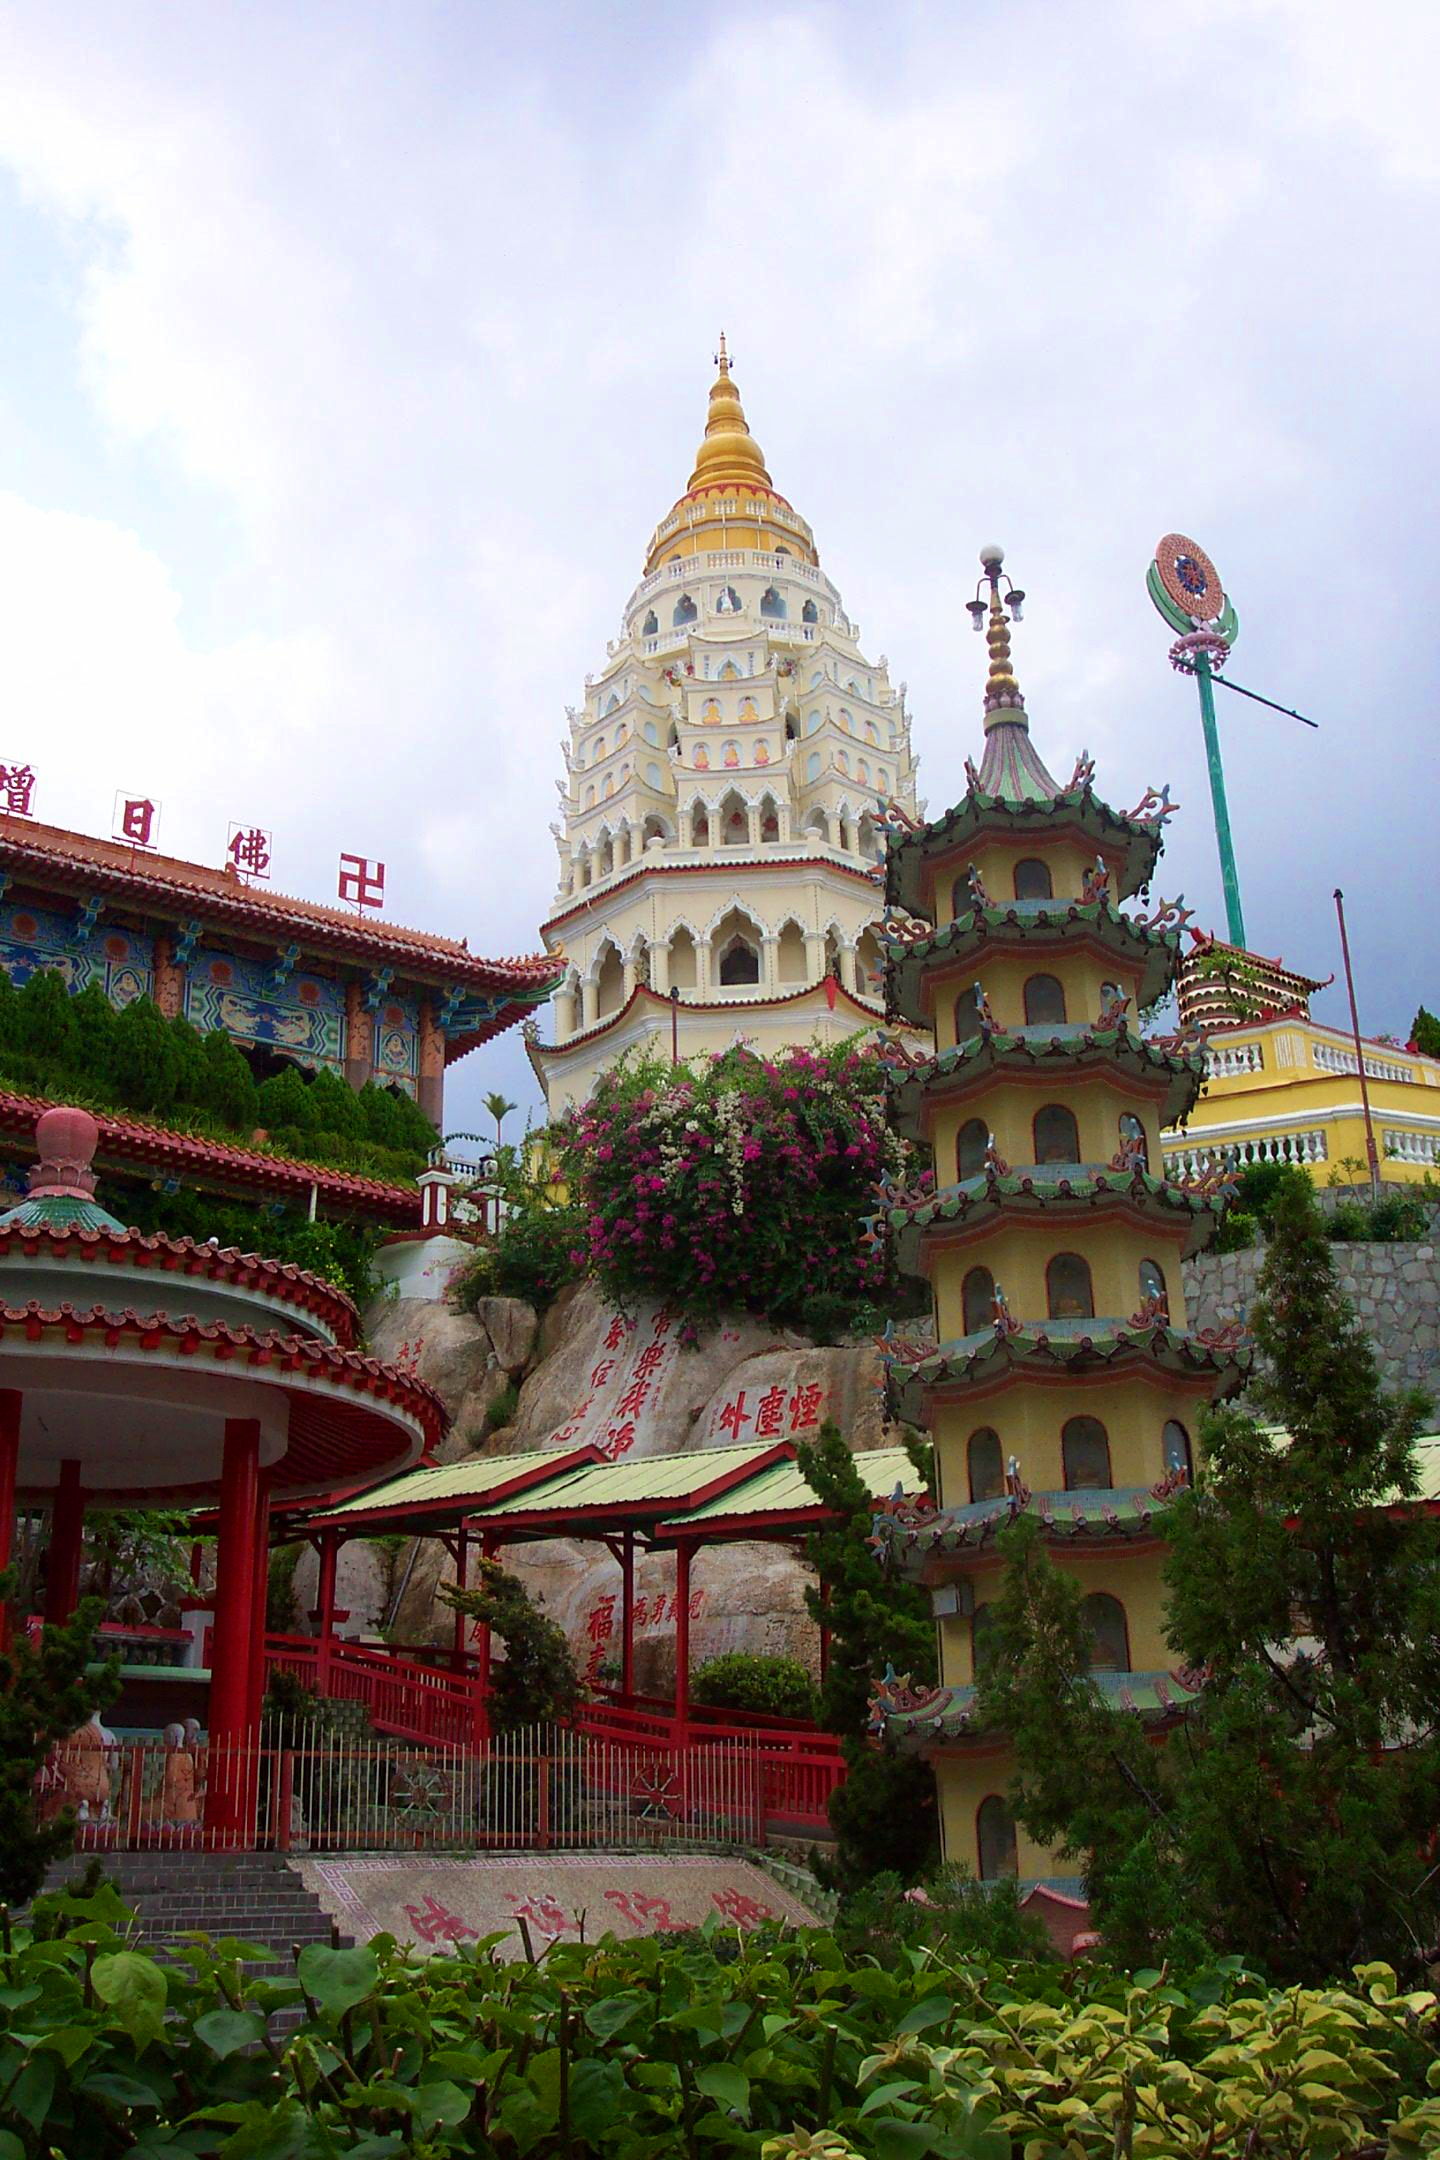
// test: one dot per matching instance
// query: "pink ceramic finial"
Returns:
(67, 1139)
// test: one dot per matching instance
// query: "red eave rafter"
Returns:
(127, 1140)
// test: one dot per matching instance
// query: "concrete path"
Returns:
(434, 1902)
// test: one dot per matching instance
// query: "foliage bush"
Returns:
(48, 1689)
(697, 2046)
(343, 1253)
(136, 1061)
(537, 1681)
(951, 1913)
(771, 1686)
(736, 1179)
(533, 1258)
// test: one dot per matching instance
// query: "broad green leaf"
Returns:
(70, 2042)
(224, 2032)
(10, 2146)
(896, 2140)
(33, 2090)
(133, 1986)
(897, 2089)
(933, 2011)
(597, 2098)
(338, 1979)
(731, 2088)
(611, 2014)
(442, 2102)
(118, 2090)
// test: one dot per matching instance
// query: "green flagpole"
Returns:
(1229, 877)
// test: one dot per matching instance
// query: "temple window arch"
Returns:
(871, 736)
(862, 773)
(769, 821)
(790, 954)
(985, 1463)
(710, 711)
(730, 755)
(735, 942)
(772, 605)
(599, 750)
(843, 762)
(809, 613)
(977, 1301)
(652, 734)
(812, 723)
(748, 711)
(684, 968)
(589, 798)
(1132, 1133)
(607, 855)
(996, 1848)
(869, 962)
(1104, 1618)
(655, 828)
(1069, 1292)
(868, 839)
(728, 601)
(982, 1631)
(609, 981)
(699, 826)
(971, 1145)
(1032, 879)
(847, 721)
(613, 702)
(761, 753)
(652, 776)
(1175, 1449)
(812, 766)
(967, 1015)
(727, 672)
(1044, 1002)
(685, 611)
(650, 627)
(734, 822)
(792, 732)
(1085, 1455)
(884, 779)
(1057, 1136)
(832, 952)
(815, 823)
(1153, 1283)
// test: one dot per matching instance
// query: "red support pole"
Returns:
(10, 1405)
(482, 1657)
(234, 1599)
(627, 1616)
(67, 1536)
(684, 1553)
(260, 1598)
(462, 1574)
(329, 1556)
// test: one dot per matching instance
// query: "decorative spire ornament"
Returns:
(1011, 768)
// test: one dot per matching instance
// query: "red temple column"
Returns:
(431, 1092)
(462, 1575)
(260, 1599)
(489, 1544)
(627, 1615)
(169, 977)
(684, 1553)
(328, 1553)
(10, 1405)
(233, 1640)
(67, 1535)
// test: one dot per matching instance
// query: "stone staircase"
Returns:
(253, 1897)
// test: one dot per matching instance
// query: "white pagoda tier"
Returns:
(718, 845)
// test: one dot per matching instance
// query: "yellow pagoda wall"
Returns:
(1018, 1249)
(1083, 973)
(1028, 1420)
(1008, 1107)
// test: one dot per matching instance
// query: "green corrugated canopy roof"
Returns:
(635, 1492)
(782, 1490)
(447, 1492)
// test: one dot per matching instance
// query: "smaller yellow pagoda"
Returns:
(1062, 1380)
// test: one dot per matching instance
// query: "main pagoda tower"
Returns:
(719, 841)
(1063, 1380)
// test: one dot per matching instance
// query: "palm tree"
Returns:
(499, 1109)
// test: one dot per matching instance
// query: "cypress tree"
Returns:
(1425, 1033)
(44, 1019)
(229, 1090)
(285, 1102)
(144, 1059)
(46, 1693)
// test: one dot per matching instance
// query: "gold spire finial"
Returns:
(729, 455)
(1002, 692)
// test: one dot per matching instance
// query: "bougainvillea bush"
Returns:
(736, 1180)
(707, 2045)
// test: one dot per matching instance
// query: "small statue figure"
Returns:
(1095, 885)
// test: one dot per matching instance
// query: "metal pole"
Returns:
(674, 1024)
(1229, 879)
(1372, 1155)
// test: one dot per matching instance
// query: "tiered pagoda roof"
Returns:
(1072, 1047)
(920, 1717)
(1107, 1345)
(1069, 1188)
(1150, 942)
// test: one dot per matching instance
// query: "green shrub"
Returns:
(772, 1686)
(502, 1411)
(1238, 1231)
(285, 1102)
(532, 1258)
(951, 1914)
(44, 1022)
(695, 2044)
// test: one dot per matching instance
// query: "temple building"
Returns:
(1283, 1087)
(1062, 1380)
(719, 841)
(287, 979)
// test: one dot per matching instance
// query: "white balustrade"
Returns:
(1411, 1146)
(1329, 1059)
(1296, 1147)
(1224, 1062)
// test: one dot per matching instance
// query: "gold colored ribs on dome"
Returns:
(731, 501)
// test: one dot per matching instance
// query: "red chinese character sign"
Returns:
(248, 850)
(362, 883)
(17, 789)
(136, 821)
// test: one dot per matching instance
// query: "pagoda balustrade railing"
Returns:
(1413, 1147)
(1292, 1147)
(1225, 1061)
(1329, 1059)
(746, 559)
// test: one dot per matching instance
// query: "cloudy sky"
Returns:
(349, 353)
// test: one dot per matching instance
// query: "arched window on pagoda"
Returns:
(1153, 1283)
(1175, 1449)
(1068, 1288)
(772, 605)
(699, 826)
(685, 610)
(986, 1464)
(739, 963)
(977, 1300)
(1032, 879)
(1057, 1136)
(1104, 1618)
(809, 613)
(967, 1016)
(650, 627)
(1044, 1002)
(684, 963)
(995, 1844)
(982, 1625)
(1085, 1454)
(1131, 1130)
(970, 1146)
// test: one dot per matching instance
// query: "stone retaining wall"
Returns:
(1395, 1289)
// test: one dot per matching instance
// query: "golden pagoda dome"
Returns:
(731, 501)
(729, 456)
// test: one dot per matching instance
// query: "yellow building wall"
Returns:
(964, 1780)
(1068, 861)
(1017, 1250)
(1029, 1418)
(1008, 1106)
(1082, 973)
